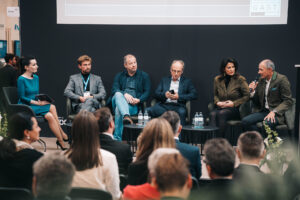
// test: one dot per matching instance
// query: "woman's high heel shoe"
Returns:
(59, 145)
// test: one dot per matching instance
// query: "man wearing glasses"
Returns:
(173, 92)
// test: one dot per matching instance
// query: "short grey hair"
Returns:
(269, 64)
(180, 61)
(128, 55)
(54, 175)
(156, 155)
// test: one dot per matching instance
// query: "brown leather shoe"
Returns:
(127, 120)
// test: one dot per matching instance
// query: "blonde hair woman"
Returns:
(156, 134)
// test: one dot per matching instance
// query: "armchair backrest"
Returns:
(289, 116)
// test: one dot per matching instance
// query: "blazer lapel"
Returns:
(80, 82)
(272, 83)
(180, 88)
(91, 84)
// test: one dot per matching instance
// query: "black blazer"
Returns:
(122, 151)
(186, 90)
(17, 172)
(192, 154)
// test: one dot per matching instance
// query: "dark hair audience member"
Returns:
(17, 154)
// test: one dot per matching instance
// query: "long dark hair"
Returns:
(85, 148)
(224, 62)
(25, 61)
(18, 123)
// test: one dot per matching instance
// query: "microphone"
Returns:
(255, 80)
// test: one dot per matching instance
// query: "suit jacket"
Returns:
(237, 90)
(279, 95)
(244, 169)
(186, 90)
(138, 173)
(122, 151)
(74, 88)
(192, 154)
(8, 76)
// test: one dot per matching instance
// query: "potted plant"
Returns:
(276, 157)
(3, 125)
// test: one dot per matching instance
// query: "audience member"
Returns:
(8, 74)
(52, 177)
(172, 177)
(230, 91)
(271, 97)
(95, 167)
(156, 134)
(85, 89)
(173, 92)
(106, 129)
(28, 88)
(130, 89)
(191, 153)
(16, 153)
(148, 191)
(219, 160)
(250, 151)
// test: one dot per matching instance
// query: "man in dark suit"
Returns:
(271, 97)
(190, 152)
(106, 128)
(250, 150)
(219, 160)
(173, 92)
(8, 76)
(85, 89)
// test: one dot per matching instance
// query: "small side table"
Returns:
(130, 134)
(190, 134)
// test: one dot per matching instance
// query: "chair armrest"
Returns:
(68, 106)
(15, 108)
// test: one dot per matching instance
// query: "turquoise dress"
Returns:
(27, 90)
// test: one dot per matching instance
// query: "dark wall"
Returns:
(202, 47)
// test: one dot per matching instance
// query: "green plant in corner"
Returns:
(3, 125)
(275, 157)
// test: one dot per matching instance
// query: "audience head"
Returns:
(250, 146)
(176, 69)
(9, 58)
(172, 176)
(84, 64)
(85, 148)
(130, 64)
(156, 134)
(52, 176)
(266, 68)
(173, 118)
(156, 155)
(29, 64)
(105, 120)
(7, 149)
(219, 158)
(15, 61)
(23, 126)
(229, 66)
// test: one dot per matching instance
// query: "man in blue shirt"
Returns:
(131, 88)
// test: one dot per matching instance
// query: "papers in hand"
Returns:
(44, 97)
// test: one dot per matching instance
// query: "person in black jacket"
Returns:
(106, 128)
(173, 92)
(17, 155)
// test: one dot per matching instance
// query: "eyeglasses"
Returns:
(176, 71)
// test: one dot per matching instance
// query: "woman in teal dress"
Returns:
(28, 88)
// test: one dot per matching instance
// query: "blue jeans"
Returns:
(249, 122)
(121, 108)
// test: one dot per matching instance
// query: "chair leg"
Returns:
(43, 144)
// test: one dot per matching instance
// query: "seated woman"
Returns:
(28, 88)
(17, 156)
(156, 134)
(95, 167)
(230, 91)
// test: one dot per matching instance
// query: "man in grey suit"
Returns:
(85, 89)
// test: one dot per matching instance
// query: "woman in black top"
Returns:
(16, 154)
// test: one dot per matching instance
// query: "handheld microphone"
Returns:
(255, 80)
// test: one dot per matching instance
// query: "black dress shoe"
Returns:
(127, 120)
